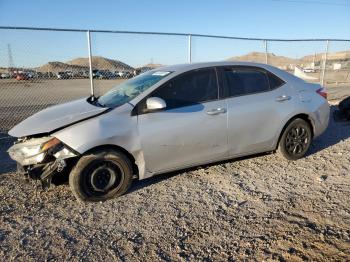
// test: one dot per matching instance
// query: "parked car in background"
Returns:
(96, 74)
(78, 74)
(69, 73)
(121, 74)
(23, 76)
(62, 75)
(49, 75)
(128, 74)
(5, 76)
(39, 75)
(124, 74)
(105, 74)
(85, 74)
(169, 119)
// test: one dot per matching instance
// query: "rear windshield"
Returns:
(131, 88)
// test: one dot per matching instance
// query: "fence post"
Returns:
(90, 65)
(324, 63)
(189, 49)
(266, 54)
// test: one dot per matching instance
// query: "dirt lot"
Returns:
(262, 208)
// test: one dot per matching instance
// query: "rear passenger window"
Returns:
(274, 81)
(243, 81)
(191, 88)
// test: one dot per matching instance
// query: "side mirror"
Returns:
(155, 103)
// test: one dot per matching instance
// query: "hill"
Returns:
(102, 63)
(337, 56)
(56, 66)
(260, 57)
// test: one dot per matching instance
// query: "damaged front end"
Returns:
(41, 158)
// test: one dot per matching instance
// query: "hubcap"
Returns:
(297, 140)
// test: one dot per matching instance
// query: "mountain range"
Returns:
(282, 61)
(102, 63)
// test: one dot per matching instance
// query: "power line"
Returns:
(314, 2)
(172, 34)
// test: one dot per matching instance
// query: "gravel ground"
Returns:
(262, 208)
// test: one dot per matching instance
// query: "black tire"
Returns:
(101, 175)
(295, 140)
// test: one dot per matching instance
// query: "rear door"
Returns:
(192, 128)
(256, 101)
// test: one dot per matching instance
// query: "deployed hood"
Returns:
(56, 117)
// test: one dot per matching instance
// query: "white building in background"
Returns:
(336, 66)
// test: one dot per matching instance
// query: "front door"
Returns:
(192, 128)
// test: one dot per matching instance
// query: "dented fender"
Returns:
(114, 128)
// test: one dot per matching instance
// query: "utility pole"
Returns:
(266, 53)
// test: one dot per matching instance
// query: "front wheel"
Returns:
(295, 140)
(101, 175)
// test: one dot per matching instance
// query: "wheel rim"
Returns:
(102, 178)
(297, 140)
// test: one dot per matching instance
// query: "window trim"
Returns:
(137, 111)
(255, 68)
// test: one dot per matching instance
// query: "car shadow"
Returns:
(337, 131)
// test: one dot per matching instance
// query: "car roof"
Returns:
(192, 66)
(181, 68)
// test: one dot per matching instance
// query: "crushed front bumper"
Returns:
(42, 172)
(41, 158)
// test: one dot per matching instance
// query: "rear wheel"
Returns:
(295, 140)
(101, 175)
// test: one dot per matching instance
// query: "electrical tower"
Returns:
(10, 59)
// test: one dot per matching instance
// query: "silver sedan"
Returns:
(169, 119)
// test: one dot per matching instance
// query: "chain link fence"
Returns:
(41, 67)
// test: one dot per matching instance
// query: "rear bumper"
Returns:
(321, 119)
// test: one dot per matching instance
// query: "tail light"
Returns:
(322, 92)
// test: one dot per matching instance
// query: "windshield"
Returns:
(130, 89)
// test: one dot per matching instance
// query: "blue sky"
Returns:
(243, 18)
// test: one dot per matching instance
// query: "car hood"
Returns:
(56, 117)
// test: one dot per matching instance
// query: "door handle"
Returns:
(216, 111)
(283, 98)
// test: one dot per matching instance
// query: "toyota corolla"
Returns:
(169, 119)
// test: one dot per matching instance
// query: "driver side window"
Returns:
(190, 88)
